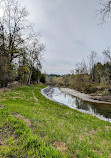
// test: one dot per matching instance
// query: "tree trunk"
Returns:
(30, 76)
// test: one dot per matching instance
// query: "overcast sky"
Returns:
(70, 31)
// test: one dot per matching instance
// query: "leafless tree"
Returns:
(105, 10)
(107, 54)
(35, 48)
(92, 61)
(81, 68)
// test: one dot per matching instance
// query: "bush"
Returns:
(43, 78)
(89, 89)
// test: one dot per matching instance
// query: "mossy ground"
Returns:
(55, 131)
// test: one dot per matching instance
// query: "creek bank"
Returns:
(79, 101)
(83, 96)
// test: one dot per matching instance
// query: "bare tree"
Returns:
(92, 61)
(107, 54)
(34, 55)
(105, 10)
(81, 68)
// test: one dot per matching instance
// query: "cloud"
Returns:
(70, 31)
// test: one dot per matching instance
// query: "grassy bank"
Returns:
(33, 126)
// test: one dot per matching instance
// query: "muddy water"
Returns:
(102, 111)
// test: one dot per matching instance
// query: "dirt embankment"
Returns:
(4, 89)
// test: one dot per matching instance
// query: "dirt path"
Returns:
(83, 96)
(35, 98)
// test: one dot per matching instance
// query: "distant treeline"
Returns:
(95, 76)
(54, 75)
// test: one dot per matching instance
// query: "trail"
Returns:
(35, 98)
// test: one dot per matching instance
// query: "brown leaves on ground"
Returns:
(60, 146)
(4, 89)
(107, 128)
(27, 121)
(88, 133)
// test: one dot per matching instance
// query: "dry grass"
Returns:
(60, 145)
(27, 121)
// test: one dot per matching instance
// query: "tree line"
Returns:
(20, 46)
(93, 76)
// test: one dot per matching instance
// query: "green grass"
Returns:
(83, 135)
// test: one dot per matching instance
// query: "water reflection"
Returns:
(103, 111)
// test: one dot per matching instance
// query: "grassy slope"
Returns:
(84, 135)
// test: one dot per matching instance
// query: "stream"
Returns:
(100, 110)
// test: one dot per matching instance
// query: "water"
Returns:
(102, 111)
